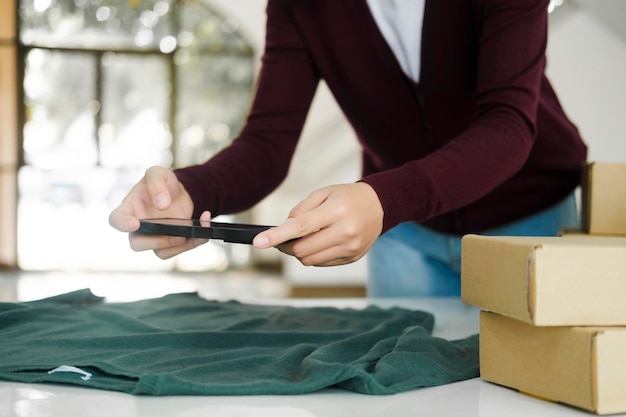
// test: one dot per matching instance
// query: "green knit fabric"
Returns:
(182, 344)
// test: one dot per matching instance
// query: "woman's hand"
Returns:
(335, 225)
(158, 194)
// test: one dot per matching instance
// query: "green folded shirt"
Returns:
(182, 344)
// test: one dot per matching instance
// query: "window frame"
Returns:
(97, 53)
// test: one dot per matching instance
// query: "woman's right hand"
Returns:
(158, 194)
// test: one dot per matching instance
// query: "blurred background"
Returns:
(92, 92)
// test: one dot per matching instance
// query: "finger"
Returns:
(329, 256)
(314, 200)
(167, 246)
(158, 181)
(308, 216)
(121, 220)
(293, 228)
(205, 216)
(173, 251)
(140, 242)
(313, 243)
(124, 217)
(326, 247)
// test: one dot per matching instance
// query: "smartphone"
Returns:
(228, 232)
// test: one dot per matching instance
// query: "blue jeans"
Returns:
(413, 261)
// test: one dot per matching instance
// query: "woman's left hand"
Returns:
(334, 225)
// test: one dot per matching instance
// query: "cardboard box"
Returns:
(581, 366)
(603, 208)
(547, 281)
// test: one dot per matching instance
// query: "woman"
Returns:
(460, 129)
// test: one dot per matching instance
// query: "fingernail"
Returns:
(261, 242)
(161, 200)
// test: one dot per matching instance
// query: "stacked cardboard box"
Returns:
(553, 323)
(604, 199)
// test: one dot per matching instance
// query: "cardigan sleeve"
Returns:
(258, 159)
(502, 130)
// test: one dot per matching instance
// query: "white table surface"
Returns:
(466, 398)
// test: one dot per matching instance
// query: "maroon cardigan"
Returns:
(480, 141)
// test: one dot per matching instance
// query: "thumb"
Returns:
(158, 182)
(313, 200)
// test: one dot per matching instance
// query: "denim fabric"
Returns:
(412, 261)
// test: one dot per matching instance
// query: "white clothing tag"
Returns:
(86, 376)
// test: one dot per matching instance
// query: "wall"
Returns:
(587, 65)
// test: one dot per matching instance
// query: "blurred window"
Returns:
(111, 87)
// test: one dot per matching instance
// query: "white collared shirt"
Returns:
(400, 22)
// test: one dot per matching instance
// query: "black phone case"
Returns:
(228, 232)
